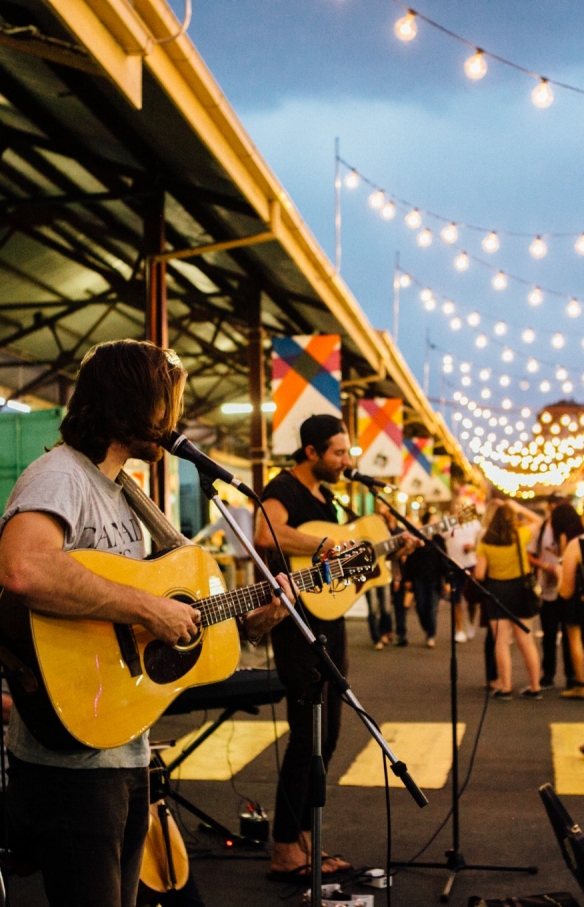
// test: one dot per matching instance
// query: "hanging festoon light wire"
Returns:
(387, 205)
(475, 66)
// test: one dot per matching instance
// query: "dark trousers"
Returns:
(84, 829)
(551, 621)
(397, 599)
(295, 661)
(427, 597)
(378, 615)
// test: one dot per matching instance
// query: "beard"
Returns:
(325, 473)
(149, 451)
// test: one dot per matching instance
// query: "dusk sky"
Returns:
(302, 73)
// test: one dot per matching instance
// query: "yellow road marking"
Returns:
(567, 758)
(425, 747)
(229, 749)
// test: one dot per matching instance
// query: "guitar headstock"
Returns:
(467, 514)
(356, 561)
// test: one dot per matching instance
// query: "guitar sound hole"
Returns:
(166, 664)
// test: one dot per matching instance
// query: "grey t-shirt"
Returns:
(95, 514)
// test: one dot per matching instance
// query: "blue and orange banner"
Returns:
(306, 381)
(440, 490)
(417, 466)
(379, 434)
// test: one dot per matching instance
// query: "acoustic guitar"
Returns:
(371, 530)
(101, 684)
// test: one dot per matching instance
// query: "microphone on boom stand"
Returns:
(369, 481)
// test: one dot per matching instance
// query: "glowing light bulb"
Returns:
(532, 365)
(405, 280)
(413, 219)
(528, 335)
(425, 294)
(567, 387)
(352, 179)
(447, 367)
(500, 328)
(474, 319)
(430, 304)
(507, 355)
(535, 297)
(475, 67)
(538, 248)
(499, 281)
(526, 412)
(558, 341)
(376, 199)
(485, 374)
(573, 309)
(449, 234)
(544, 387)
(506, 403)
(388, 211)
(406, 28)
(561, 374)
(504, 380)
(465, 367)
(455, 323)
(466, 381)
(546, 417)
(424, 238)
(490, 243)
(461, 262)
(486, 393)
(448, 307)
(579, 244)
(542, 95)
(481, 341)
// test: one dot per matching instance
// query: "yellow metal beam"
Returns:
(114, 36)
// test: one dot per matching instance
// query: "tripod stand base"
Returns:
(455, 863)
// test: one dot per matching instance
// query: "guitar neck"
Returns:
(236, 602)
(394, 542)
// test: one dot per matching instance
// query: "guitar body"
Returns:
(155, 870)
(334, 602)
(82, 675)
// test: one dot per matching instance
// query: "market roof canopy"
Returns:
(116, 147)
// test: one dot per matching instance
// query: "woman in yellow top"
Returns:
(500, 570)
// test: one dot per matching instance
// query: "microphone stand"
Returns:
(328, 671)
(455, 861)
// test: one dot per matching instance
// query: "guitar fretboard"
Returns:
(230, 604)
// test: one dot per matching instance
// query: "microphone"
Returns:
(369, 481)
(181, 447)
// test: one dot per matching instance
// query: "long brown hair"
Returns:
(126, 391)
(501, 530)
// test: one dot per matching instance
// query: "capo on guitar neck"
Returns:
(320, 557)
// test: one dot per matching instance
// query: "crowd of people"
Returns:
(81, 814)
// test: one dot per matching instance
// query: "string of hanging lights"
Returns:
(476, 66)
(388, 205)
(460, 316)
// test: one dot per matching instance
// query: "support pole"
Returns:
(156, 327)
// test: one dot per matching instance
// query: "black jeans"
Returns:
(84, 829)
(295, 660)
(551, 620)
